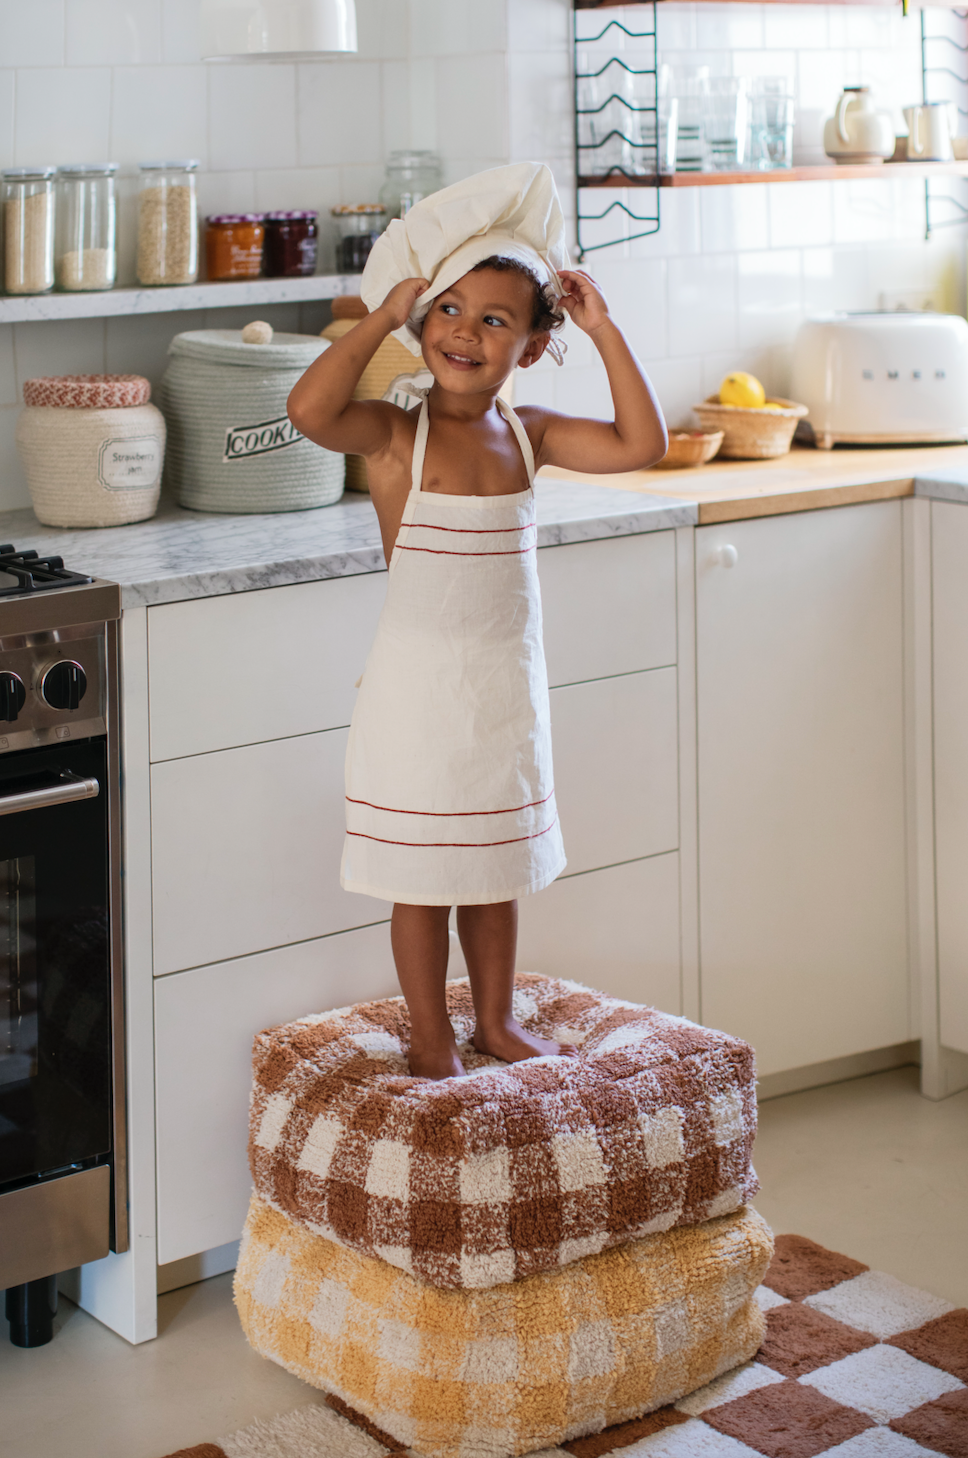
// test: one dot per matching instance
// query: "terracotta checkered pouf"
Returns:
(472, 1182)
(520, 1367)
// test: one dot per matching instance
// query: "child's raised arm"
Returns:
(637, 437)
(321, 404)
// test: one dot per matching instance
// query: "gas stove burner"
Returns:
(22, 572)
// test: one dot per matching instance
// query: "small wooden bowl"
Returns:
(752, 435)
(690, 448)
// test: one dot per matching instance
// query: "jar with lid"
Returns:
(85, 235)
(358, 226)
(167, 223)
(233, 245)
(291, 244)
(28, 229)
(409, 177)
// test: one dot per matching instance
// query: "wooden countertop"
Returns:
(804, 480)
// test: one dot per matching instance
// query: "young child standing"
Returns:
(449, 789)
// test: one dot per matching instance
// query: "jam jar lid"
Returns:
(343, 210)
(236, 218)
(186, 164)
(290, 217)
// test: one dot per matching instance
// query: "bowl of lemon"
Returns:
(754, 427)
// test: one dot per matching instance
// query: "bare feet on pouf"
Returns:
(512, 1044)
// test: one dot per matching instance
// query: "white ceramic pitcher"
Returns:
(929, 132)
(856, 132)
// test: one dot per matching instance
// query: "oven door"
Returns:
(55, 982)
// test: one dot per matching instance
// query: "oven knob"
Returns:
(12, 697)
(64, 684)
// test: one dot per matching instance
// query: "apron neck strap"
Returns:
(423, 430)
(521, 436)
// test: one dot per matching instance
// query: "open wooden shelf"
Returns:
(828, 172)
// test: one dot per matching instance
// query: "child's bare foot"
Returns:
(512, 1044)
(435, 1062)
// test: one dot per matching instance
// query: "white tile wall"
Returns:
(722, 285)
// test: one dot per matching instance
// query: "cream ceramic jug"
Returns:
(856, 132)
(929, 132)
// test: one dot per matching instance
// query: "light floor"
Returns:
(867, 1167)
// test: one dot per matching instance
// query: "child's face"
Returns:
(478, 330)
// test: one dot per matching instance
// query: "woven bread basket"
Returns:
(391, 360)
(752, 435)
(92, 449)
(231, 445)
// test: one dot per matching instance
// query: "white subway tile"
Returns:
(395, 93)
(181, 40)
(159, 112)
(835, 279)
(734, 217)
(7, 93)
(457, 27)
(636, 293)
(870, 25)
(822, 76)
(795, 26)
(284, 318)
(534, 386)
(138, 344)
(59, 347)
(382, 29)
(584, 392)
(112, 32)
(9, 394)
(715, 366)
(361, 183)
(730, 26)
(769, 297)
(766, 63)
(472, 107)
(298, 187)
(423, 103)
(32, 33)
(226, 192)
(679, 227)
(542, 25)
(540, 97)
(252, 116)
(702, 304)
(339, 113)
(801, 213)
(13, 482)
(676, 25)
(63, 115)
(678, 384)
(863, 211)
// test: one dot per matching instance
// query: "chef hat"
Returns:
(508, 212)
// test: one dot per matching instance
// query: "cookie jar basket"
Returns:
(391, 360)
(92, 448)
(231, 445)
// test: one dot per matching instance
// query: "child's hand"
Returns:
(401, 299)
(583, 300)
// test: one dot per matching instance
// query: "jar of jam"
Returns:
(358, 226)
(233, 245)
(291, 245)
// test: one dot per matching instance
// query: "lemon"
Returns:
(771, 405)
(742, 389)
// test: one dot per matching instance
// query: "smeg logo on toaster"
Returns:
(244, 441)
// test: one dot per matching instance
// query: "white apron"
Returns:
(449, 788)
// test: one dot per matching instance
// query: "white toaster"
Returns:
(883, 378)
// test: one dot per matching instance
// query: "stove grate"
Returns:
(32, 573)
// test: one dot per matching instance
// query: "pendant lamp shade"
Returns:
(241, 30)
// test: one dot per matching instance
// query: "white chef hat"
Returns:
(507, 212)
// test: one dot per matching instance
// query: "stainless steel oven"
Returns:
(63, 1195)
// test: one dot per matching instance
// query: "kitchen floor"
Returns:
(867, 1167)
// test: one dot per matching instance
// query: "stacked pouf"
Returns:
(507, 1261)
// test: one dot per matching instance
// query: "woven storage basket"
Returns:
(231, 446)
(751, 435)
(391, 359)
(92, 449)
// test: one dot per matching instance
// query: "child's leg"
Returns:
(419, 937)
(489, 938)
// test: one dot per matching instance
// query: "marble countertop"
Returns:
(181, 554)
(943, 485)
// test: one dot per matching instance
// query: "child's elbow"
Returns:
(297, 408)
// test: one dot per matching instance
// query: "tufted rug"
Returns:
(855, 1364)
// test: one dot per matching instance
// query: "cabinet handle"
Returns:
(727, 556)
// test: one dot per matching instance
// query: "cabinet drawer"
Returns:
(616, 757)
(252, 666)
(609, 607)
(205, 1021)
(616, 929)
(246, 847)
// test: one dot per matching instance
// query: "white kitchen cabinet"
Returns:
(246, 848)
(803, 937)
(949, 550)
(616, 929)
(254, 666)
(205, 1021)
(615, 755)
(609, 606)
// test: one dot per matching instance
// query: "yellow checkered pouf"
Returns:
(515, 1367)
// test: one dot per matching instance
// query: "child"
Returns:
(450, 797)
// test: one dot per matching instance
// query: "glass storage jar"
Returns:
(358, 226)
(28, 229)
(291, 244)
(409, 177)
(233, 245)
(167, 223)
(85, 234)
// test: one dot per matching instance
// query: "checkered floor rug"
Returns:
(855, 1365)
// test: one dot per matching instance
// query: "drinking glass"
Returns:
(688, 89)
(725, 124)
(771, 123)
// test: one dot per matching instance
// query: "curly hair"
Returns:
(546, 316)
